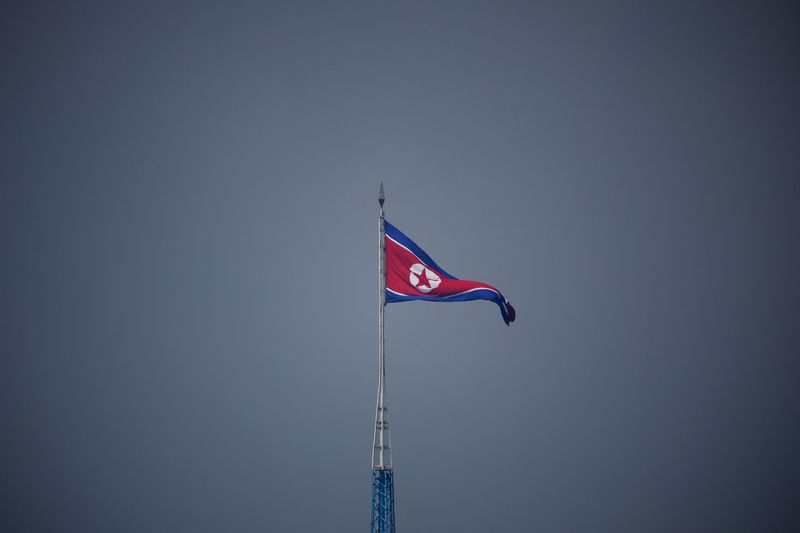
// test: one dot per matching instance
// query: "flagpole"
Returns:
(381, 439)
(382, 517)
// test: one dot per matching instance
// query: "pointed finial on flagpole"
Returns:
(381, 197)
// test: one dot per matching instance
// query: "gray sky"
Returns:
(188, 274)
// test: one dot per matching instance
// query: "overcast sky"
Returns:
(188, 271)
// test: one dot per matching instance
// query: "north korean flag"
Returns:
(411, 274)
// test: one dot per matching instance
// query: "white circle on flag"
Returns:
(423, 278)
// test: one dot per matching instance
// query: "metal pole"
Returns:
(381, 438)
(382, 516)
(381, 309)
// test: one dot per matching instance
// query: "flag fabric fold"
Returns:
(411, 274)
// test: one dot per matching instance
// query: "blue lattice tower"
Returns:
(382, 512)
(382, 515)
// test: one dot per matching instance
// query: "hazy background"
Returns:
(188, 265)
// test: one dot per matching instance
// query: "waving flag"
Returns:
(411, 274)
